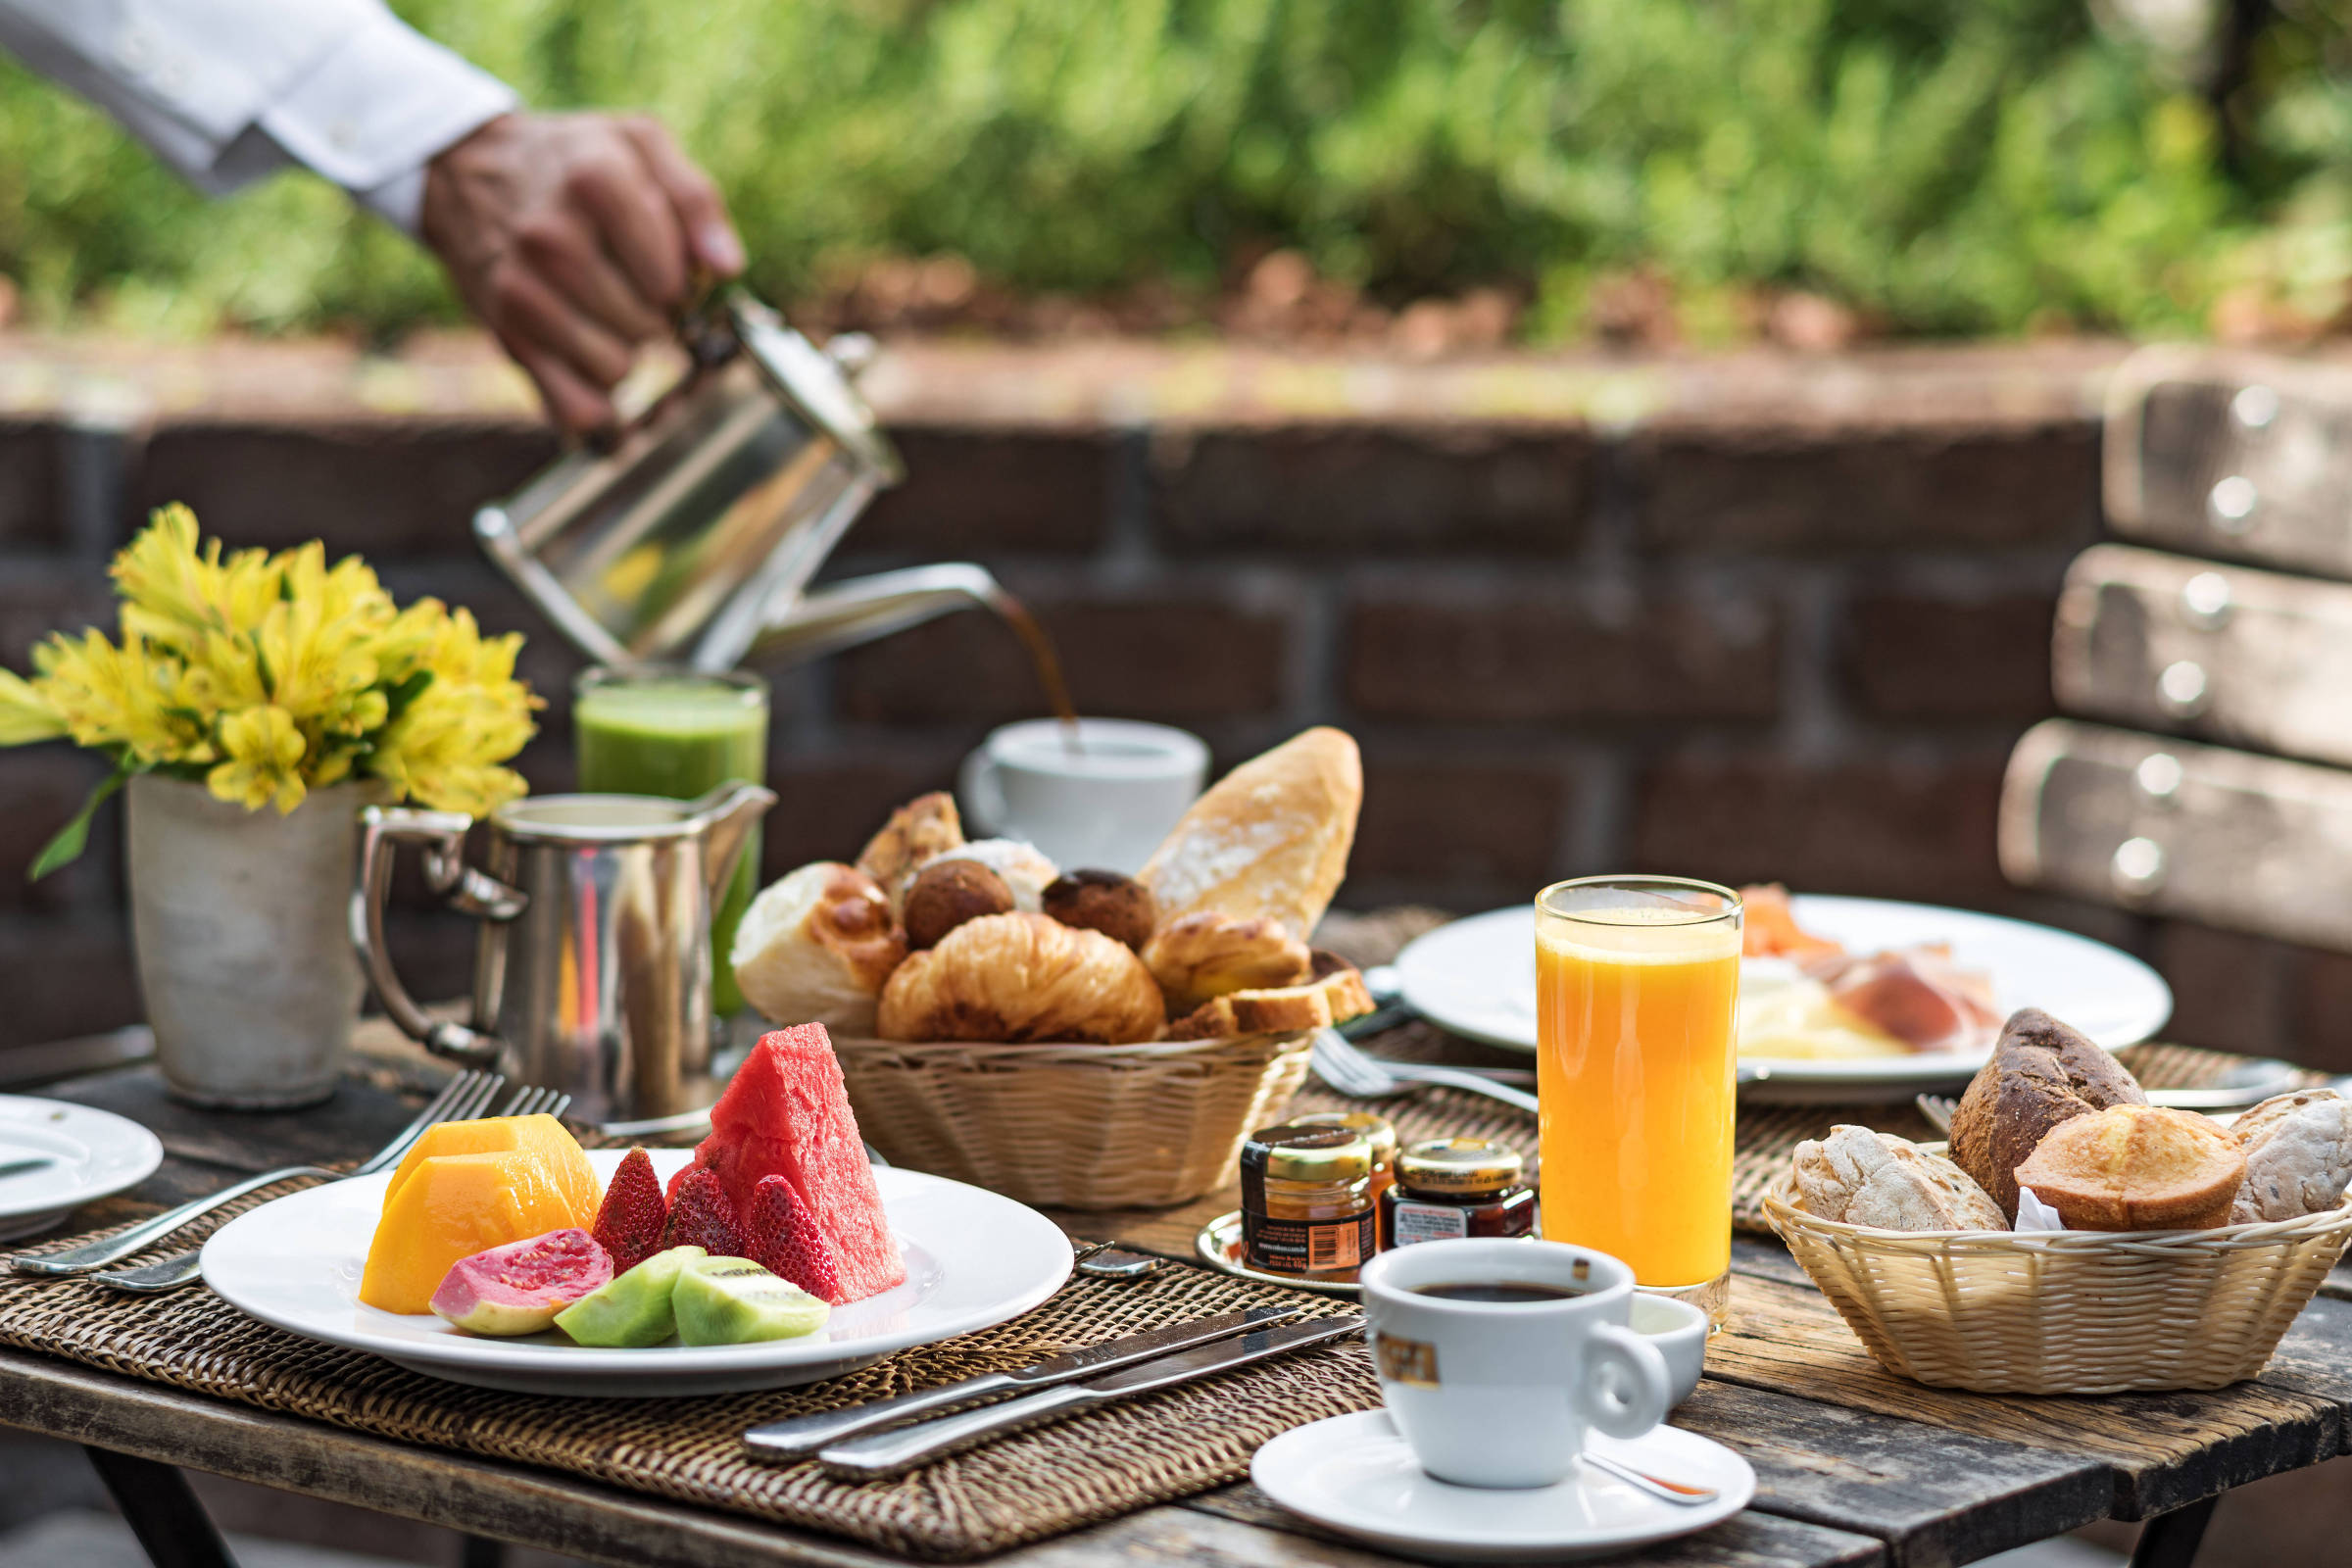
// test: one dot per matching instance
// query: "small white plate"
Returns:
(973, 1258)
(1356, 1475)
(97, 1155)
(1477, 978)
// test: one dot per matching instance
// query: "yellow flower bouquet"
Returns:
(267, 676)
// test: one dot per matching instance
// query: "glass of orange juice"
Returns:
(1637, 993)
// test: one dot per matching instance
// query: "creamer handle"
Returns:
(443, 835)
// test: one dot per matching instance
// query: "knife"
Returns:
(802, 1436)
(24, 1167)
(890, 1453)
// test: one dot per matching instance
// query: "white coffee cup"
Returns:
(1103, 804)
(1500, 1393)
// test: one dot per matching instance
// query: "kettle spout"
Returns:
(724, 818)
(841, 615)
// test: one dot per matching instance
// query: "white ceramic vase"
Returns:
(240, 924)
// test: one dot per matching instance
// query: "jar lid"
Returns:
(1377, 1130)
(1463, 1165)
(1298, 1152)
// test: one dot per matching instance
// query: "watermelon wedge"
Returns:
(785, 1113)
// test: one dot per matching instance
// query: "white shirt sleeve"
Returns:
(227, 90)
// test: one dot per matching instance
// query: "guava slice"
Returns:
(632, 1310)
(734, 1300)
(520, 1286)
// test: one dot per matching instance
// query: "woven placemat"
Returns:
(1108, 1462)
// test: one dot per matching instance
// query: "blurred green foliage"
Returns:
(1946, 166)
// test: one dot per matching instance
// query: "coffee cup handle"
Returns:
(1623, 1390)
(983, 797)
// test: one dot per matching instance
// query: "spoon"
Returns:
(1680, 1492)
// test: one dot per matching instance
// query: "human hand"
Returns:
(574, 237)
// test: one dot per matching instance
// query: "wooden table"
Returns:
(1855, 1466)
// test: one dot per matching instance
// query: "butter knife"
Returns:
(802, 1436)
(890, 1453)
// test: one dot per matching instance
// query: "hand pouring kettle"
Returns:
(691, 539)
(592, 973)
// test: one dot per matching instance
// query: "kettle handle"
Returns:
(443, 835)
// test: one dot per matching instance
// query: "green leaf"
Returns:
(74, 836)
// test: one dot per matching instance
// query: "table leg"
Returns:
(162, 1511)
(2171, 1540)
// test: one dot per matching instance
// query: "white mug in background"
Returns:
(1103, 803)
(1500, 1393)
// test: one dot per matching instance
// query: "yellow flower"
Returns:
(24, 714)
(174, 588)
(265, 752)
(121, 698)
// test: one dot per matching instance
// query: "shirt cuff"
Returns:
(377, 109)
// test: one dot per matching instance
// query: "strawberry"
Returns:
(701, 1215)
(786, 1241)
(631, 1220)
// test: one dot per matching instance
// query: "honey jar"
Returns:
(1306, 1200)
(1377, 1131)
(1451, 1187)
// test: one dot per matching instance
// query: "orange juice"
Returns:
(1638, 991)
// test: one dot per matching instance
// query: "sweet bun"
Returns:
(1269, 840)
(1019, 978)
(1203, 954)
(2040, 1073)
(2137, 1168)
(2298, 1156)
(948, 892)
(1867, 1178)
(1316, 1004)
(924, 827)
(1025, 870)
(816, 947)
(1109, 902)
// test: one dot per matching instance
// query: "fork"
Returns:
(1363, 1076)
(186, 1268)
(464, 1096)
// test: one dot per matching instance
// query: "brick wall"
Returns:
(1744, 618)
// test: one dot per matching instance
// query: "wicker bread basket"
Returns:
(2066, 1311)
(1074, 1126)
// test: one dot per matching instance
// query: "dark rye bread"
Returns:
(2042, 1074)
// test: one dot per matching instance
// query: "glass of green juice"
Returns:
(679, 733)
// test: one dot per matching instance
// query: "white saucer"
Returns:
(96, 1153)
(1354, 1474)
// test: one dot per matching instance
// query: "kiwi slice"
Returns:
(734, 1300)
(634, 1308)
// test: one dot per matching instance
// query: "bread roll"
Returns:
(2298, 1156)
(1022, 977)
(1203, 954)
(1269, 840)
(1867, 1178)
(816, 947)
(2137, 1168)
(2040, 1074)
(947, 893)
(1116, 904)
(1315, 1004)
(924, 827)
(1024, 867)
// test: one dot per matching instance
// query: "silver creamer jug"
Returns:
(691, 539)
(592, 973)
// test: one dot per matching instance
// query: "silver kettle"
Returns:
(692, 538)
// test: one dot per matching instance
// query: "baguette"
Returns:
(1268, 840)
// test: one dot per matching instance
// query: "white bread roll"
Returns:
(815, 948)
(1270, 839)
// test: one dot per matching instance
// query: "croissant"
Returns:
(1019, 978)
(1204, 954)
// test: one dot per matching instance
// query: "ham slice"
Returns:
(1915, 994)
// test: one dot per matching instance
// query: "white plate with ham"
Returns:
(1913, 1003)
(973, 1258)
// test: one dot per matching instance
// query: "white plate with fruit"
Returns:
(501, 1254)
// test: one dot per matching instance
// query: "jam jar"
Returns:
(1458, 1187)
(1306, 1200)
(1377, 1131)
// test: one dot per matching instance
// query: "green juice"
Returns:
(681, 736)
